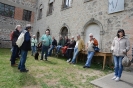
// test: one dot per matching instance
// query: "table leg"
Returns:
(104, 60)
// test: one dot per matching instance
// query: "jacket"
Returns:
(72, 44)
(80, 45)
(15, 36)
(54, 42)
(61, 42)
(121, 46)
(33, 42)
(26, 46)
(46, 40)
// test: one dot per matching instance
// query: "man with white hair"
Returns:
(46, 42)
(33, 45)
(15, 36)
(90, 46)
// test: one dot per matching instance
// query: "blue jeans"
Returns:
(75, 55)
(118, 65)
(14, 54)
(58, 48)
(23, 58)
(44, 49)
(50, 50)
(33, 48)
(89, 58)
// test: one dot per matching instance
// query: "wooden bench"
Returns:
(103, 54)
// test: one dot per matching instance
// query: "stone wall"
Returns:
(80, 13)
(8, 24)
(29, 3)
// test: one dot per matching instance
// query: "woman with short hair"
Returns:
(120, 47)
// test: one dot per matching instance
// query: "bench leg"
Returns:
(104, 60)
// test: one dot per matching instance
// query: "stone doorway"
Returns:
(95, 30)
(64, 32)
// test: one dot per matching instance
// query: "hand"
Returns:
(92, 41)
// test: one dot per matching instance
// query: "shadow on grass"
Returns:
(24, 78)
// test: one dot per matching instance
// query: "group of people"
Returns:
(25, 47)
(69, 48)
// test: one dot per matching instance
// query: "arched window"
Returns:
(64, 31)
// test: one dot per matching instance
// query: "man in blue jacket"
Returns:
(26, 46)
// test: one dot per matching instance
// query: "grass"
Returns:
(54, 73)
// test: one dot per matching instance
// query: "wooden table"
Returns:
(103, 54)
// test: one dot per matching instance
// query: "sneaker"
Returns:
(114, 78)
(117, 79)
(68, 60)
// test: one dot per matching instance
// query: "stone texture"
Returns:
(80, 13)
(8, 24)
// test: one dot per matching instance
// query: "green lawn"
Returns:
(54, 73)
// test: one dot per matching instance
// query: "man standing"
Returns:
(46, 42)
(26, 46)
(15, 36)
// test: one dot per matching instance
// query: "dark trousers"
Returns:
(69, 53)
(44, 49)
(14, 54)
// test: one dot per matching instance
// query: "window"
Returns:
(66, 4)
(40, 12)
(7, 10)
(50, 9)
(26, 15)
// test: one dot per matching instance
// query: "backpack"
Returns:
(11, 35)
(20, 39)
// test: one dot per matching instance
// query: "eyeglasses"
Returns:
(91, 36)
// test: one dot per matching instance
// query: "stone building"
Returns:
(103, 18)
(12, 13)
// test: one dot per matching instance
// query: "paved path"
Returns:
(106, 81)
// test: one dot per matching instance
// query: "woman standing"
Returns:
(120, 47)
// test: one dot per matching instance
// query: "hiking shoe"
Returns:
(24, 70)
(86, 67)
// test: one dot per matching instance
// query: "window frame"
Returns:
(50, 10)
(64, 6)
(8, 10)
(25, 14)
(40, 12)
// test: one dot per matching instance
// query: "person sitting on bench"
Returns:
(91, 43)
(78, 47)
